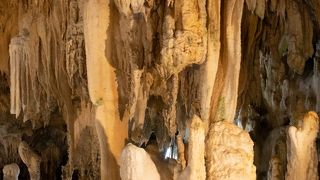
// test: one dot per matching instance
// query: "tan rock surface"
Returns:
(80, 79)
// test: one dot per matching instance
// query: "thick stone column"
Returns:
(102, 86)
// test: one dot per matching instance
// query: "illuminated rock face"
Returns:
(231, 152)
(302, 153)
(89, 76)
(135, 163)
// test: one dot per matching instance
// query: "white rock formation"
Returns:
(301, 146)
(231, 153)
(136, 164)
(31, 159)
(11, 172)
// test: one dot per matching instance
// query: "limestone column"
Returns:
(102, 86)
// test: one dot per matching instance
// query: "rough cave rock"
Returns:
(159, 89)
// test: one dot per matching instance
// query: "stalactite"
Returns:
(209, 68)
(181, 152)
(251, 4)
(75, 53)
(231, 56)
(316, 76)
(18, 57)
(299, 36)
(176, 53)
(169, 113)
(260, 8)
(135, 95)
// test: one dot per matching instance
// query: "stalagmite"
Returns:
(251, 4)
(316, 75)
(31, 159)
(196, 151)
(135, 163)
(302, 153)
(260, 8)
(275, 154)
(299, 36)
(231, 153)
(11, 172)
(274, 172)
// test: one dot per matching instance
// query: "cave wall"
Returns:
(91, 76)
(278, 79)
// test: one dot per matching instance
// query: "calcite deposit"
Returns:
(159, 89)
